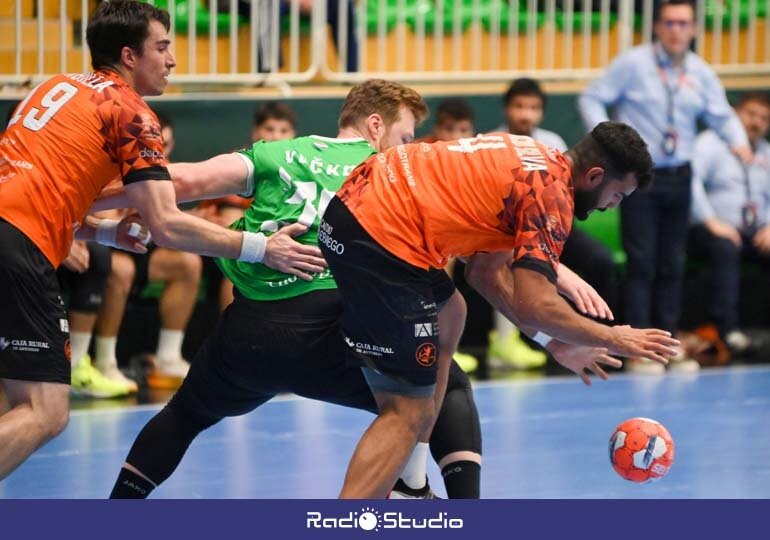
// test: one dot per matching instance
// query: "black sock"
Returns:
(161, 445)
(131, 486)
(462, 479)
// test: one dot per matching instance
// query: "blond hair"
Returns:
(378, 96)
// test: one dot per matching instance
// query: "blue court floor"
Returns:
(543, 438)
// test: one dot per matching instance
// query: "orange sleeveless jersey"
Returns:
(69, 138)
(426, 203)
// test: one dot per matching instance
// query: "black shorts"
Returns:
(260, 349)
(85, 292)
(390, 318)
(34, 332)
(142, 270)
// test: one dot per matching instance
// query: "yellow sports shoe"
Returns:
(510, 352)
(467, 362)
(113, 373)
(87, 381)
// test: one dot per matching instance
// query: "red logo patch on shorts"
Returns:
(68, 350)
(426, 354)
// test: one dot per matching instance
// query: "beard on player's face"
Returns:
(587, 200)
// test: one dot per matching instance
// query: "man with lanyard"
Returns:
(662, 90)
(731, 212)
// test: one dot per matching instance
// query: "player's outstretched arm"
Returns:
(226, 174)
(538, 305)
(491, 275)
(534, 305)
(172, 228)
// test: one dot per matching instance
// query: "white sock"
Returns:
(79, 341)
(105, 352)
(503, 326)
(169, 344)
(416, 469)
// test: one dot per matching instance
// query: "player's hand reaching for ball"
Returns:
(586, 299)
(578, 359)
(650, 343)
(285, 254)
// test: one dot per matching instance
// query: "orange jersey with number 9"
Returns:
(426, 203)
(69, 138)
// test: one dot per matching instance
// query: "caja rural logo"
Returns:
(370, 519)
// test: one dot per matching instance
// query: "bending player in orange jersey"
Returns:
(71, 136)
(503, 201)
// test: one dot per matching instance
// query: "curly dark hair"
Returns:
(120, 23)
(274, 110)
(618, 149)
(453, 109)
(524, 86)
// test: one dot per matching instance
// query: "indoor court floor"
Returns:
(543, 438)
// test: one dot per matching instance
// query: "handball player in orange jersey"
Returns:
(70, 137)
(503, 202)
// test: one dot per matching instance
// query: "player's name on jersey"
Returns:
(17, 163)
(531, 155)
(92, 80)
(318, 166)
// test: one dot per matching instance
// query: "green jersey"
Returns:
(293, 182)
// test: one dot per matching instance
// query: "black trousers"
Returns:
(724, 261)
(654, 227)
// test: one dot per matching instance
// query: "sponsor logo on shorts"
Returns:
(426, 354)
(425, 329)
(68, 349)
(23, 345)
(367, 348)
(325, 237)
(64, 325)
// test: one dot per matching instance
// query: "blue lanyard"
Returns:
(670, 92)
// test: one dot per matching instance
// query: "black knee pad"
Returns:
(457, 427)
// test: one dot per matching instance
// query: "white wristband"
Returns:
(253, 247)
(542, 339)
(107, 232)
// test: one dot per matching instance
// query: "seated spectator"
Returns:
(180, 272)
(454, 120)
(731, 213)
